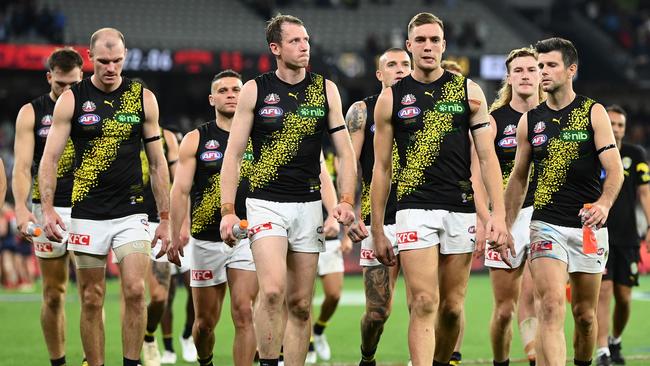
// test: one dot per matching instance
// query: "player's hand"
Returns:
(498, 238)
(184, 235)
(331, 227)
(175, 252)
(344, 213)
(162, 234)
(358, 231)
(479, 249)
(23, 217)
(51, 224)
(383, 249)
(225, 228)
(596, 216)
(346, 245)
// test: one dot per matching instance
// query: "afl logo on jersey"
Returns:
(89, 119)
(507, 142)
(88, 106)
(539, 140)
(408, 99)
(271, 112)
(211, 156)
(408, 112)
(44, 131)
(272, 99)
(212, 144)
(46, 120)
(510, 130)
(539, 127)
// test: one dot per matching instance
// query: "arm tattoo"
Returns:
(356, 117)
(378, 289)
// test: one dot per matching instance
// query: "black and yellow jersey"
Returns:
(43, 111)
(106, 130)
(431, 129)
(566, 165)
(287, 137)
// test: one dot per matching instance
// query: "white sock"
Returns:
(602, 351)
(616, 340)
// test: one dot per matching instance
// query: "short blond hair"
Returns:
(422, 19)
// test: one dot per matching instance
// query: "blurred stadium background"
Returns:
(177, 46)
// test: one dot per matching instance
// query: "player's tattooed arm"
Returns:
(356, 117)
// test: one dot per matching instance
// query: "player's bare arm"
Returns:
(347, 178)
(355, 119)
(240, 131)
(610, 159)
(180, 193)
(56, 140)
(518, 181)
(328, 197)
(22, 174)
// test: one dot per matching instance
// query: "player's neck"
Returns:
(561, 98)
(53, 96)
(103, 87)
(291, 76)
(619, 143)
(224, 122)
(523, 104)
(427, 76)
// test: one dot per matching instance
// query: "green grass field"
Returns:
(21, 341)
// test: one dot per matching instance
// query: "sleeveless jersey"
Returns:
(367, 161)
(505, 145)
(149, 199)
(205, 195)
(286, 137)
(567, 168)
(43, 111)
(431, 129)
(106, 130)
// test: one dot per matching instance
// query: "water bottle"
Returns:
(33, 229)
(240, 231)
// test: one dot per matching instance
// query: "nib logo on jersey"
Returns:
(313, 112)
(574, 135)
(450, 107)
(131, 118)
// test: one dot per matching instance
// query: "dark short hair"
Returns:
(422, 19)
(228, 73)
(617, 109)
(274, 27)
(564, 46)
(65, 59)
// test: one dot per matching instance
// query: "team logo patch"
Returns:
(627, 162)
(43, 131)
(212, 144)
(89, 119)
(201, 274)
(409, 112)
(367, 254)
(46, 120)
(373, 128)
(319, 230)
(471, 229)
(539, 127)
(144, 222)
(600, 251)
(43, 247)
(510, 130)
(261, 227)
(271, 112)
(539, 140)
(509, 141)
(88, 106)
(407, 237)
(493, 255)
(542, 245)
(272, 98)
(79, 239)
(211, 156)
(408, 99)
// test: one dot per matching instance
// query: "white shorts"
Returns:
(210, 260)
(367, 256)
(453, 231)
(99, 236)
(44, 247)
(521, 235)
(565, 244)
(331, 260)
(188, 251)
(300, 222)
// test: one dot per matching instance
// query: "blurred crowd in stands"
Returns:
(23, 20)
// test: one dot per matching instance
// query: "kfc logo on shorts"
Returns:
(407, 237)
(540, 246)
(261, 227)
(88, 106)
(408, 99)
(201, 274)
(79, 239)
(272, 99)
(367, 254)
(212, 144)
(43, 247)
(510, 130)
(493, 255)
(46, 120)
(539, 127)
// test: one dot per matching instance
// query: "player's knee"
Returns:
(451, 311)
(333, 298)
(159, 295)
(272, 297)
(204, 325)
(551, 307)
(242, 315)
(585, 318)
(378, 314)
(300, 309)
(133, 292)
(424, 304)
(504, 312)
(92, 297)
(54, 297)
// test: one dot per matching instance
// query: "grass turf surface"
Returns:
(21, 341)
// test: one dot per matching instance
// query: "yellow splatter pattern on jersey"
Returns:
(425, 148)
(365, 187)
(283, 144)
(145, 167)
(102, 151)
(247, 166)
(203, 214)
(66, 163)
(561, 155)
